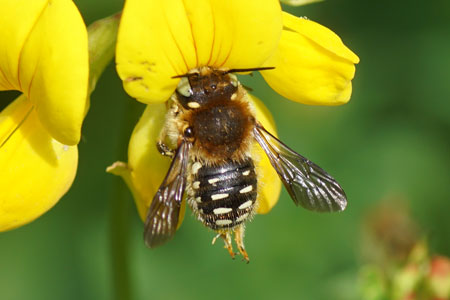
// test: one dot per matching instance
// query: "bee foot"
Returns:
(239, 238)
(228, 245)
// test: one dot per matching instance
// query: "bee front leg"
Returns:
(164, 149)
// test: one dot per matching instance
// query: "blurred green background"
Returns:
(391, 141)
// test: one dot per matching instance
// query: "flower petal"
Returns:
(269, 184)
(36, 169)
(164, 38)
(17, 18)
(44, 54)
(312, 65)
(146, 166)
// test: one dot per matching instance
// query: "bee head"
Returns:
(206, 86)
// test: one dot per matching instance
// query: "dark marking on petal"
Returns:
(133, 78)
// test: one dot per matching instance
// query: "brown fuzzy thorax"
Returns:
(221, 131)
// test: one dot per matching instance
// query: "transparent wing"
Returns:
(308, 185)
(162, 217)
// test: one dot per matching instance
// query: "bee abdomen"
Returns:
(223, 196)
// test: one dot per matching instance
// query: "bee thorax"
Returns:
(222, 131)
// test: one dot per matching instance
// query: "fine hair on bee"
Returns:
(209, 133)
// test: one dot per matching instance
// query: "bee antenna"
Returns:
(247, 88)
(186, 75)
(248, 70)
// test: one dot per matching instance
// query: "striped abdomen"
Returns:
(223, 196)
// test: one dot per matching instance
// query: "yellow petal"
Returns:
(163, 38)
(36, 170)
(321, 35)
(312, 65)
(146, 167)
(269, 184)
(17, 18)
(44, 54)
(141, 199)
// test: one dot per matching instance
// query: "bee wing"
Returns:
(162, 217)
(308, 185)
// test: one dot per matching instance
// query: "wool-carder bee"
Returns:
(211, 126)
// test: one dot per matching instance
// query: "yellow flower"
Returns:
(159, 39)
(44, 55)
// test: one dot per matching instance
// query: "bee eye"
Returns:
(184, 88)
(213, 86)
(189, 132)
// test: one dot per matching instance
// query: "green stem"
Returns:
(121, 213)
(122, 205)
(119, 237)
(102, 40)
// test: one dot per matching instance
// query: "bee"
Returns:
(209, 131)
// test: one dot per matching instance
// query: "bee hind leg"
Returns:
(239, 239)
(226, 236)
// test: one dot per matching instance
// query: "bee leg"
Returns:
(239, 238)
(226, 236)
(215, 238)
(228, 245)
(164, 149)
